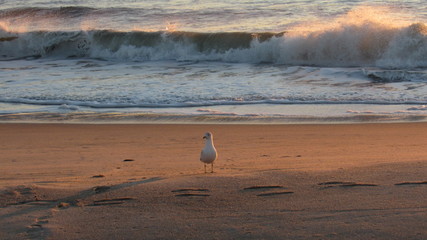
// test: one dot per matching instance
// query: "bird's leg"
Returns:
(205, 167)
(211, 167)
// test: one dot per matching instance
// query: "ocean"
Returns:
(213, 61)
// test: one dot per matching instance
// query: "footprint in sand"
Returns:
(112, 201)
(263, 187)
(37, 230)
(274, 193)
(345, 184)
(98, 176)
(191, 192)
(18, 195)
(411, 183)
(100, 189)
(192, 195)
(266, 188)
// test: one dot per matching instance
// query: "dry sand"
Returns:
(349, 181)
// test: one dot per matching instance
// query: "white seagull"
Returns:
(209, 154)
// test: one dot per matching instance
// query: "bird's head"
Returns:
(207, 135)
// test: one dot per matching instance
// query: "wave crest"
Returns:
(367, 44)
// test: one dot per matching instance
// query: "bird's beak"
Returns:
(204, 137)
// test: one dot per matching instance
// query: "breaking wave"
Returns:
(367, 44)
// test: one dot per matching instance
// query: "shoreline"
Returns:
(257, 113)
(214, 119)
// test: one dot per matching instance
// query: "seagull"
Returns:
(208, 154)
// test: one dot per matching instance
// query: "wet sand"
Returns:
(144, 181)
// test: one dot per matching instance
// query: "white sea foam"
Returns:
(102, 84)
(418, 108)
(215, 112)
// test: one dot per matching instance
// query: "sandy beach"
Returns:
(145, 181)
